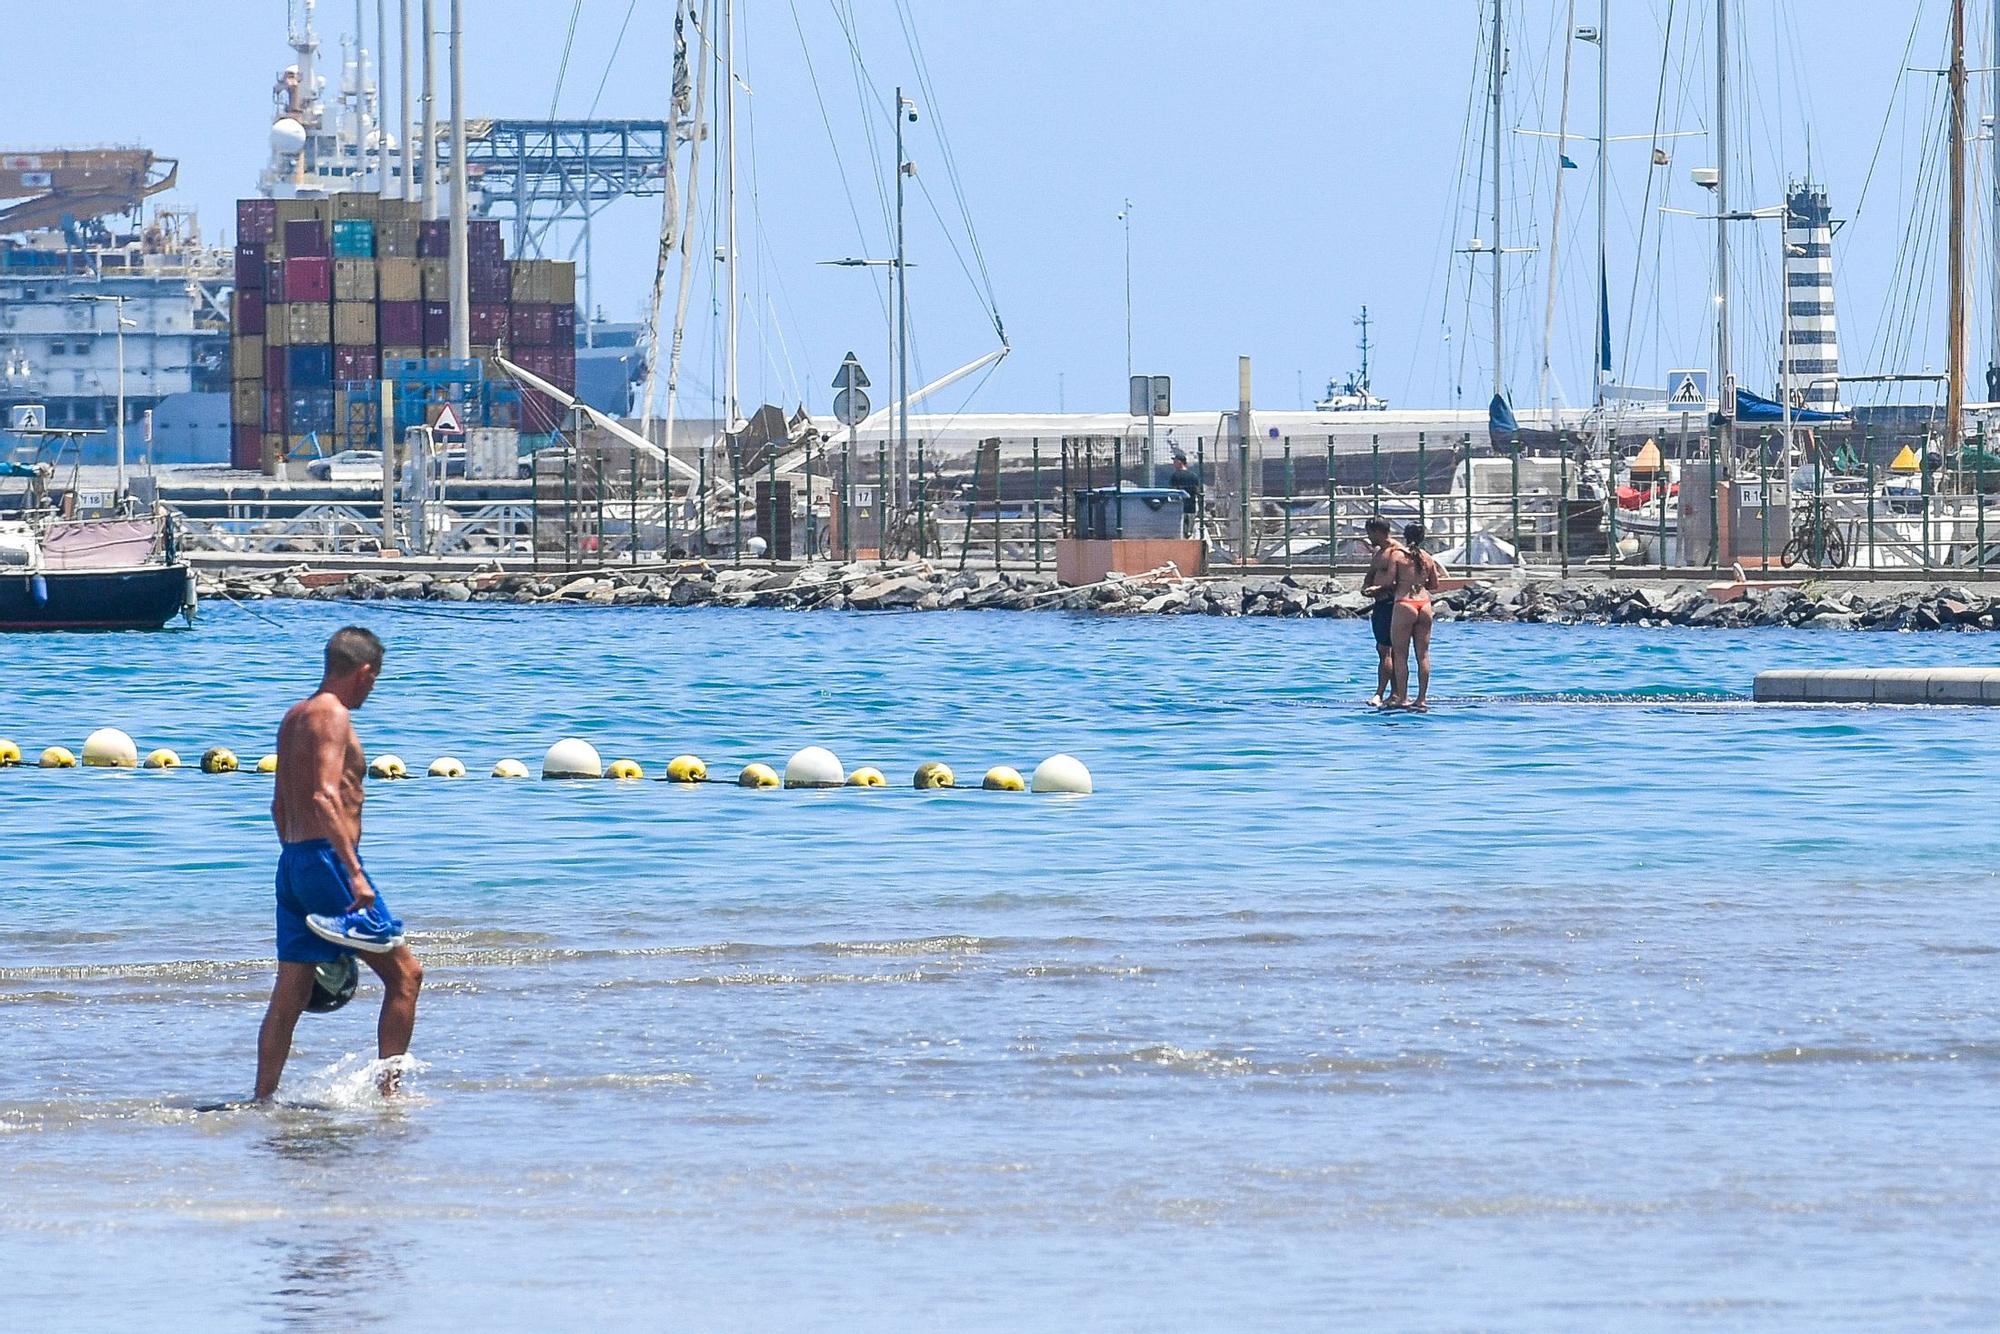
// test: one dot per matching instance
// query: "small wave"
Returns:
(573, 1083)
(1845, 1055)
(927, 945)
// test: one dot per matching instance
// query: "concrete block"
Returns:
(1780, 685)
(1958, 685)
(1839, 687)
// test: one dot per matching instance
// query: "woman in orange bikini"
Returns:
(1416, 577)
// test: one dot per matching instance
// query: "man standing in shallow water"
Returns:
(1380, 584)
(326, 903)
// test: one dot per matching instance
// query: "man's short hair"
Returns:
(1378, 524)
(351, 649)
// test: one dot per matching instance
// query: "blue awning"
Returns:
(1756, 408)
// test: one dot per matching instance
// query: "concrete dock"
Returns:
(1883, 685)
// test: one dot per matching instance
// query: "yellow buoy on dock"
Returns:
(109, 748)
(163, 759)
(686, 769)
(625, 770)
(867, 776)
(932, 774)
(56, 757)
(758, 775)
(510, 769)
(1000, 778)
(447, 766)
(218, 760)
(388, 766)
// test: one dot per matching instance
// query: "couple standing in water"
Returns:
(1401, 578)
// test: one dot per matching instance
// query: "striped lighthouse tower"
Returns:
(1810, 355)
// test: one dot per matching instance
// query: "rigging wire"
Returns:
(839, 159)
(611, 60)
(569, 44)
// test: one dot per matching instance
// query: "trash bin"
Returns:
(1132, 512)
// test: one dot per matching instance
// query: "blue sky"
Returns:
(1289, 162)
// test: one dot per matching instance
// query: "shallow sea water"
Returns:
(1598, 996)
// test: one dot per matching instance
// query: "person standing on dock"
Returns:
(327, 905)
(1186, 479)
(1380, 583)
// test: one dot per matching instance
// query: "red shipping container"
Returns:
(249, 318)
(434, 241)
(355, 363)
(274, 409)
(401, 323)
(539, 413)
(533, 326)
(482, 240)
(489, 323)
(274, 282)
(249, 268)
(306, 236)
(437, 324)
(309, 278)
(565, 326)
(274, 368)
(491, 283)
(257, 220)
(246, 446)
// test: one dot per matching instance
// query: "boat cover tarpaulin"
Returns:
(1756, 408)
(1503, 431)
(98, 544)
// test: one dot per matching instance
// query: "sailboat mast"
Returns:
(729, 414)
(1498, 73)
(1993, 363)
(1598, 354)
(1955, 372)
(1724, 380)
(1556, 215)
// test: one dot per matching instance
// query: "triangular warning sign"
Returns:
(1687, 391)
(446, 422)
(851, 366)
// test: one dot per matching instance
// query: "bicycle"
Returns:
(1814, 536)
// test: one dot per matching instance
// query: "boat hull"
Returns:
(137, 598)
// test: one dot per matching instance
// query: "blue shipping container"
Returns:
(353, 238)
(309, 366)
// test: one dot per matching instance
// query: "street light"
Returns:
(118, 300)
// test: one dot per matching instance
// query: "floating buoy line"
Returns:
(574, 759)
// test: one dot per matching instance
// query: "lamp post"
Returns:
(1125, 216)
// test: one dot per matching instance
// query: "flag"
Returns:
(1567, 164)
(1660, 157)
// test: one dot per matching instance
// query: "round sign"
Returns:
(850, 406)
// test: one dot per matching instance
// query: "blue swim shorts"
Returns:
(312, 880)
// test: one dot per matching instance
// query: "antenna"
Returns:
(1362, 320)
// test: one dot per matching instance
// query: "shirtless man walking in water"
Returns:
(1380, 583)
(326, 903)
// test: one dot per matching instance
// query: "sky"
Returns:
(1287, 162)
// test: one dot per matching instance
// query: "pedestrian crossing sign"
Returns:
(1688, 389)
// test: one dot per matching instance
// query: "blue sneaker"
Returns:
(357, 931)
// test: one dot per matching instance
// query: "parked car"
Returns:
(349, 465)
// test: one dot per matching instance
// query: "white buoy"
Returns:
(109, 748)
(1062, 773)
(447, 766)
(510, 769)
(815, 766)
(572, 758)
(388, 766)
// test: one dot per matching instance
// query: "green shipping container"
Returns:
(353, 238)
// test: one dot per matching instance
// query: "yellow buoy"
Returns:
(267, 764)
(446, 766)
(10, 754)
(867, 776)
(625, 769)
(55, 757)
(1000, 778)
(757, 775)
(388, 766)
(1906, 461)
(510, 769)
(931, 774)
(686, 769)
(218, 760)
(109, 748)
(163, 759)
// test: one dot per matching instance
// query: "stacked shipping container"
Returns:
(328, 290)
